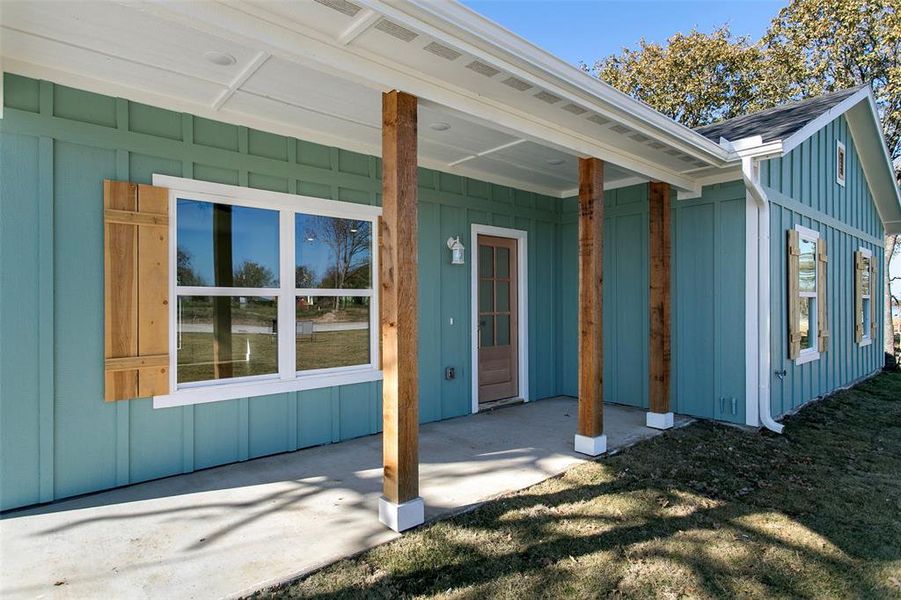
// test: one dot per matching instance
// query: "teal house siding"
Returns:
(57, 436)
(708, 301)
(709, 304)
(802, 190)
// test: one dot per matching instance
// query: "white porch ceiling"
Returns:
(154, 53)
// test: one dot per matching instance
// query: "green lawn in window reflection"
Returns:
(257, 353)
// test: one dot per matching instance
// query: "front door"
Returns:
(497, 324)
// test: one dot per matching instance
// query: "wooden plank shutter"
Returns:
(136, 290)
(858, 296)
(794, 298)
(822, 324)
(874, 271)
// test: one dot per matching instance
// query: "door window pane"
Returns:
(486, 295)
(486, 261)
(332, 253)
(503, 296)
(503, 330)
(486, 331)
(331, 331)
(221, 337)
(807, 266)
(226, 246)
(503, 262)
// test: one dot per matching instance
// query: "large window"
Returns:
(270, 289)
(864, 301)
(806, 290)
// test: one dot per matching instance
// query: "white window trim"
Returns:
(867, 337)
(810, 354)
(841, 164)
(286, 379)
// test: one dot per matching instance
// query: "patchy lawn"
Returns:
(703, 511)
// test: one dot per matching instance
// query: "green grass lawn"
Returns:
(325, 349)
(700, 512)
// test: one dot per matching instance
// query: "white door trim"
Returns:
(522, 249)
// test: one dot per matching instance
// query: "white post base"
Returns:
(401, 517)
(592, 446)
(660, 420)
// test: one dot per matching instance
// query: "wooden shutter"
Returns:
(794, 304)
(858, 296)
(874, 271)
(136, 290)
(822, 325)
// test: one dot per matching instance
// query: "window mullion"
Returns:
(287, 348)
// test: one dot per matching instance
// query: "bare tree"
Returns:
(349, 241)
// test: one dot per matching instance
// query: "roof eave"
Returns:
(458, 25)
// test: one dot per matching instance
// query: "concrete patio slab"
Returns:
(229, 530)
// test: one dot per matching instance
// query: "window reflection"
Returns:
(806, 338)
(865, 277)
(221, 245)
(221, 337)
(331, 331)
(332, 253)
(807, 265)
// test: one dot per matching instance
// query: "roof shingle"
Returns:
(776, 123)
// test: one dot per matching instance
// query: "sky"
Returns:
(586, 30)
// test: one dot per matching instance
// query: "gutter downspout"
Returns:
(750, 170)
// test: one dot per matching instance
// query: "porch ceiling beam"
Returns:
(400, 506)
(659, 305)
(251, 24)
(360, 25)
(486, 152)
(258, 61)
(590, 438)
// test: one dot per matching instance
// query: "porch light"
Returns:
(457, 250)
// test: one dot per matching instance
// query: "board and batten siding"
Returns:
(708, 368)
(802, 190)
(58, 437)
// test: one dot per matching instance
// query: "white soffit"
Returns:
(290, 77)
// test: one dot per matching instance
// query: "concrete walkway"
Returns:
(233, 529)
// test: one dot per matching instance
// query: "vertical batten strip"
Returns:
(590, 438)
(46, 390)
(123, 409)
(400, 507)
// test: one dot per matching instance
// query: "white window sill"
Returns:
(806, 357)
(231, 391)
(865, 342)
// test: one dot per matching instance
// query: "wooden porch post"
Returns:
(660, 311)
(590, 438)
(400, 507)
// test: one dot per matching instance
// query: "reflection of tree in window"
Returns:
(254, 275)
(333, 253)
(185, 270)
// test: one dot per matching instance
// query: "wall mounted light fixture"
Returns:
(457, 249)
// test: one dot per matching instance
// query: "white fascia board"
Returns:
(459, 26)
(248, 24)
